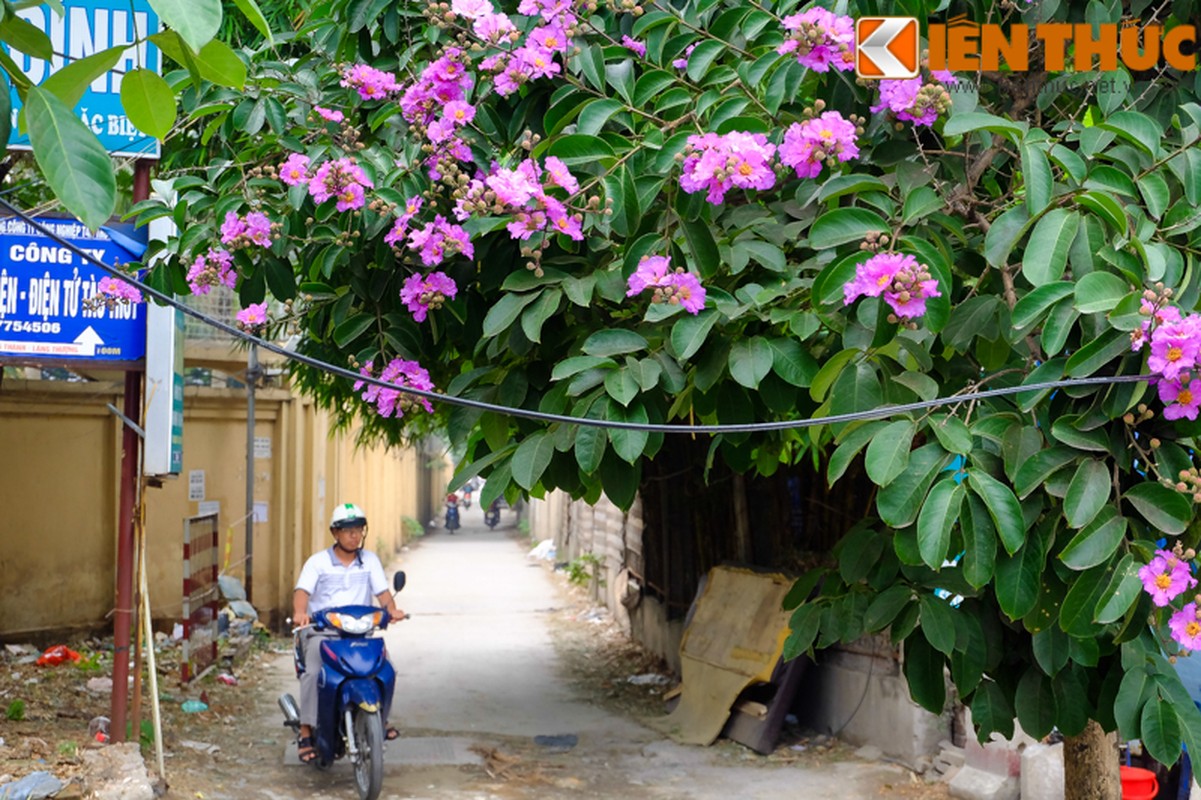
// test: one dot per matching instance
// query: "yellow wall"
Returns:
(60, 476)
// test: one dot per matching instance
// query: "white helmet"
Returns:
(347, 515)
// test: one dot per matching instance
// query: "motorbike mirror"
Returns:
(398, 581)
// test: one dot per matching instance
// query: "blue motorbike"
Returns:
(354, 692)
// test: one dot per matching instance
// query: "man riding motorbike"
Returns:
(344, 574)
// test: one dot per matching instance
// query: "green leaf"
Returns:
(702, 246)
(978, 120)
(1039, 181)
(803, 626)
(934, 522)
(1034, 703)
(1099, 292)
(938, 623)
(539, 312)
(1046, 253)
(899, 502)
(952, 433)
(73, 161)
(148, 102)
(1121, 593)
(1096, 543)
(196, 21)
(858, 553)
(1106, 207)
(1156, 193)
(576, 149)
(979, 543)
(844, 225)
(352, 328)
(576, 364)
(1161, 733)
(750, 360)
(1136, 128)
(923, 667)
(1018, 579)
(628, 443)
(250, 10)
(20, 34)
(505, 312)
(1128, 705)
(991, 711)
(622, 386)
(885, 607)
(1087, 493)
(888, 454)
(221, 65)
(792, 362)
(1080, 603)
(920, 203)
(849, 447)
(700, 59)
(596, 113)
(1166, 510)
(1002, 506)
(612, 342)
(531, 459)
(689, 333)
(1050, 647)
(70, 82)
(1097, 353)
(1004, 233)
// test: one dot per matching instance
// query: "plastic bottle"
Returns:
(98, 729)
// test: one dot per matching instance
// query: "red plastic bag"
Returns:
(57, 655)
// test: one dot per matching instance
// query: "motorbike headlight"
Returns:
(351, 624)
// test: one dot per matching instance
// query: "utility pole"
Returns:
(252, 377)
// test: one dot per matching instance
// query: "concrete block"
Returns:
(976, 784)
(1042, 772)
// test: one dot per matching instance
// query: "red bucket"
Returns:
(1139, 784)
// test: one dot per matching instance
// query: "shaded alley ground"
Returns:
(510, 687)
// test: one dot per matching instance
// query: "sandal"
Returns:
(391, 734)
(306, 750)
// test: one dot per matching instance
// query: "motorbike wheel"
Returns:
(369, 769)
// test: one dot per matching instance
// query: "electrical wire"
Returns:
(541, 416)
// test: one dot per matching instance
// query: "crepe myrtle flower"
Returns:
(826, 139)
(423, 294)
(913, 100)
(675, 287)
(904, 284)
(1181, 397)
(369, 82)
(117, 291)
(253, 316)
(213, 268)
(636, 46)
(1166, 577)
(820, 39)
(720, 162)
(394, 402)
(295, 170)
(1185, 626)
(253, 229)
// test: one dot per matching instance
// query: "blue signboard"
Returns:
(43, 289)
(87, 27)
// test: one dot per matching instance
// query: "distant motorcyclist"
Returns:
(452, 512)
(344, 574)
(492, 514)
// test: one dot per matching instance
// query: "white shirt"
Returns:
(331, 583)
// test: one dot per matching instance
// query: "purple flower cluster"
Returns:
(820, 39)
(634, 45)
(401, 227)
(391, 402)
(809, 144)
(214, 268)
(1166, 577)
(329, 115)
(120, 291)
(718, 163)
(421, 294)
(253, 229)
(253, 316)
(524, 194)
(1175, 350)
(369, 82)
(676, 287)
(900, 279)
(914, 100)
(440, 239)
(1185, 626)
(535, 57)
(342, 179)
(295, 170)
(682, 61)
(443, 81)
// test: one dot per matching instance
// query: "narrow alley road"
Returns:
(479, 685)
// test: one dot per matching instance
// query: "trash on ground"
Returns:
(557, 744)
(98, 729)
(203, 747)
(227, 679)
(193, 706)
(544, 550)
(649, 679)
(100, 685)
(53, 656)
(33, 786)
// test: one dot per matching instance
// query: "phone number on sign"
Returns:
(25, 326)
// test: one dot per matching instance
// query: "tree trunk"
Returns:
(1090, 765)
